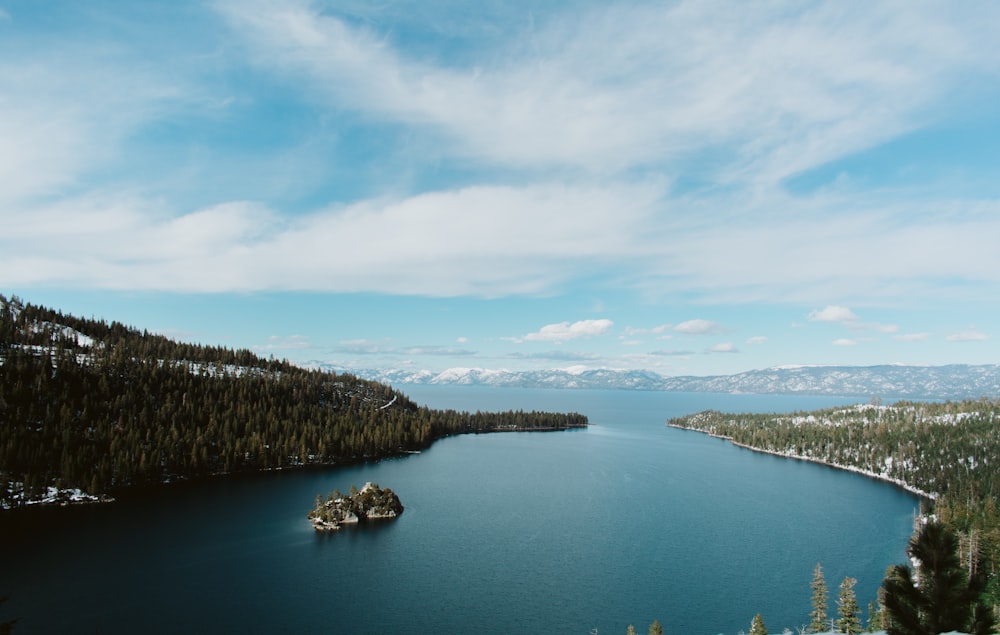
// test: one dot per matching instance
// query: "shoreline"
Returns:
(82, 498)
(847, 468)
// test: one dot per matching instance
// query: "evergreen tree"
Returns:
(655, 628)
(876, 621)
(630, 630)
(818, 623)
(8, 626)
(849, 621)
(757, 626)
(939, 596)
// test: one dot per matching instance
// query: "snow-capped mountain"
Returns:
(958, 381)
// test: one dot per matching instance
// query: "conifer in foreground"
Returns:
(940, 596)
(848, 621)
(818, 622)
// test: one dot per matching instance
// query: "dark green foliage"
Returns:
(133, 408)
(818, 621)
(948, 449)
(370, 502)
(940, 596)
(848, 620)
(876, 617)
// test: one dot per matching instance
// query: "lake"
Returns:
(548, 532)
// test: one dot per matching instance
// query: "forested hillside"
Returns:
(97, 406)
(950, 451)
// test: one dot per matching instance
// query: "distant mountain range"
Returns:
(957, 381)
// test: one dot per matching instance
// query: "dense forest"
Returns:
(96, 406)
(949, 451)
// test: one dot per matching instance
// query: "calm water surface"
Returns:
(564, 532)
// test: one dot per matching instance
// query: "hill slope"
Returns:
(96, 406)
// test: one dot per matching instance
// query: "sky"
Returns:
(691, 188)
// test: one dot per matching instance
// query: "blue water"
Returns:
(562, 532)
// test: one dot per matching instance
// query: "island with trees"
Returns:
(369, 503)
(90, 408)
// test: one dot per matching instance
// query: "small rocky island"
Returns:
(371, 502)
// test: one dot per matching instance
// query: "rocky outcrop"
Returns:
(371, 502)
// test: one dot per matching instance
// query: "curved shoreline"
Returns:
(848, 468)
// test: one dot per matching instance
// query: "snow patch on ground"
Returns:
(52, 496)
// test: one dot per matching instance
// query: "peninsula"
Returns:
(371, 502)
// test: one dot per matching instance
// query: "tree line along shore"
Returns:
(946, 452)
(97, 406)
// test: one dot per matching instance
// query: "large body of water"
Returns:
(564, 532)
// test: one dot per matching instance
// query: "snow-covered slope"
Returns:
(889, 381)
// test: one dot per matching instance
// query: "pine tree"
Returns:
(631, 630)
(874, 618)
(757, 626)
(818, 622)
(940, 596)
(655, 628)
(849, 622)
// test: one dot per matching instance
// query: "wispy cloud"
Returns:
(912, 337)
(284, 342)
(479, 245)
(560, 356)
(386, 348)
(846, 317)
(844, 341)
(700, 327)
(672, 353)
(724, 347)
(781, 86)
(564, 331)
(639, 149)
(970, 334)
(757, 339)
(365, 347)
(444, 351)
(832, 313)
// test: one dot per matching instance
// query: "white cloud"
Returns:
(485, 241)
(278, 342)
(561, 356)
(700, 327)
(725, 347)
(605, 89)
(569, 112)
(365, 347)
(832, 313)
(672, 353)
(912, 337)
(443, 351)
(845, 316)
(968, 335)
(757, 339)
(845, 342)
(564, 331)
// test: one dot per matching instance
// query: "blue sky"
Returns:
(686, 187)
